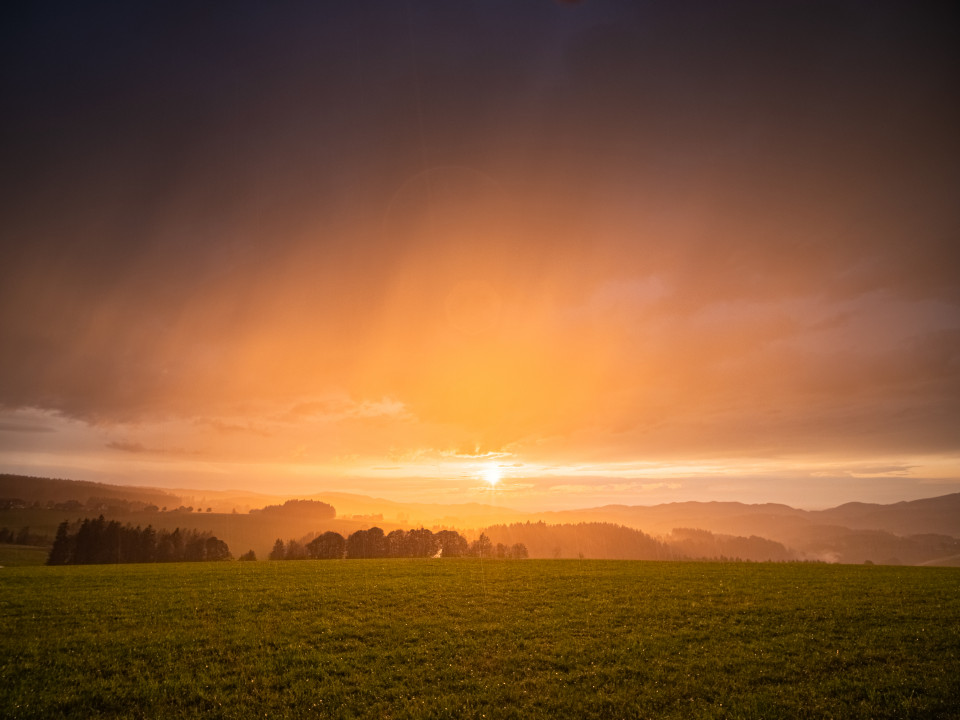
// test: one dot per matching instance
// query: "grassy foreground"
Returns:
(465, 639)
(15, 555)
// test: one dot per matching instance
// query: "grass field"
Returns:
(17, 555)
(465, 639)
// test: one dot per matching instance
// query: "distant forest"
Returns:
(93, 542)
(585, 540)
(23, 536)
(313, 509)
(24, 491)
(925, 531)
(617, 542)
(374, 543)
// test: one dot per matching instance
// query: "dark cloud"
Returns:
(202, 210)
(137, 448)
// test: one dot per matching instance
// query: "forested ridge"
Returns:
(32, 508)
(374, 543)
(92, 542)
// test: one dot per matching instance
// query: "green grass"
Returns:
(461, 639)
(17, 555)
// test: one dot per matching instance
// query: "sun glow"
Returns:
(492, 476)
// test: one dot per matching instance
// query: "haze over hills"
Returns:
(940, 515)
(350, 505)
(910, 532)
(929, 515)
(56, 490)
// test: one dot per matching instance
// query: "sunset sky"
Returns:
(630, 252)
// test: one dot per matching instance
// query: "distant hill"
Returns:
(583, 540)
(940, 515)
(308, 509)
(55, 490)
(463, 515)
(930, 515)
(723, 517)
(916, 532)
(352, 506)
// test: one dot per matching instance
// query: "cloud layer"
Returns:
(602, 232)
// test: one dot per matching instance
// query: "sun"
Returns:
(492, 475)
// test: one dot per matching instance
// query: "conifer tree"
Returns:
(60, 552)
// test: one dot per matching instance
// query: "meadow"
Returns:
(479, 639)
(15, 555)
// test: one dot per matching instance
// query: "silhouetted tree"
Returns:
(481, 547)
(148, 544)
(97, 541)
(396, 544)
(376, 542)
(279, 552)
(248, 556)
(62, 546)
(164, 549)
(217, 550)
(110, 543)
(176, 544)
(367, 544)
(329, 546)
(86, 542)
(295, 551)
(195, 549)
(518, 551)
(452, 543)
(421, 543)
(313, 509)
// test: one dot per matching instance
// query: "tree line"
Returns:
(584, 540)
(299, 508)
(23, 536)
(617, 542)
(374, 543)
(91, 542)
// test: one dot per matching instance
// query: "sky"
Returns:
(598, 252)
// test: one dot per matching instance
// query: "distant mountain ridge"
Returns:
(930, 515)
(925, 531)
(938, 515)
(43, 490)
